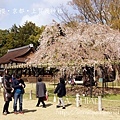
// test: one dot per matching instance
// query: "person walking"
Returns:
(18, 85)
(7, 93)
(40, 92)
(61, 91)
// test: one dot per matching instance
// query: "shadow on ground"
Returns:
(68, 105)
(27, 111)
(48, 105)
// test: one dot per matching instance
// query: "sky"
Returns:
(40, 12)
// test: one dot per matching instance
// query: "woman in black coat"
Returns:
(61, 91)
(7, 89)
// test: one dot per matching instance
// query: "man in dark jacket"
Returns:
(18, 85)
(40, 92)
(61, 91)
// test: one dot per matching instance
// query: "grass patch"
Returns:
(109, 100)
(112, 97)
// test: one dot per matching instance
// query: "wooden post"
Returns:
(77, 100)
(30, 94)
(54, 99)
(99, 103)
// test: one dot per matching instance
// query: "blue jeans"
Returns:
(18, 96)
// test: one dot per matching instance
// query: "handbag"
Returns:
(9, 95)
(45, 97)
(23, 90)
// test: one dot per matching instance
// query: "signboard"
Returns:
(100, 79)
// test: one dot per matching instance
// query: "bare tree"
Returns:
(114, 10)
(65, 16)
(93, 11)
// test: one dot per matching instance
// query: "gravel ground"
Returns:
(31, 112)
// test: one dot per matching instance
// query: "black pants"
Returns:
(6, 106)
(40, 99)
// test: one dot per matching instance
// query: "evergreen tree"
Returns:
(18, 36)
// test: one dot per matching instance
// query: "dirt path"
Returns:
(52, 113)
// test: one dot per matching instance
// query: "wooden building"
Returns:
(17, 56)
